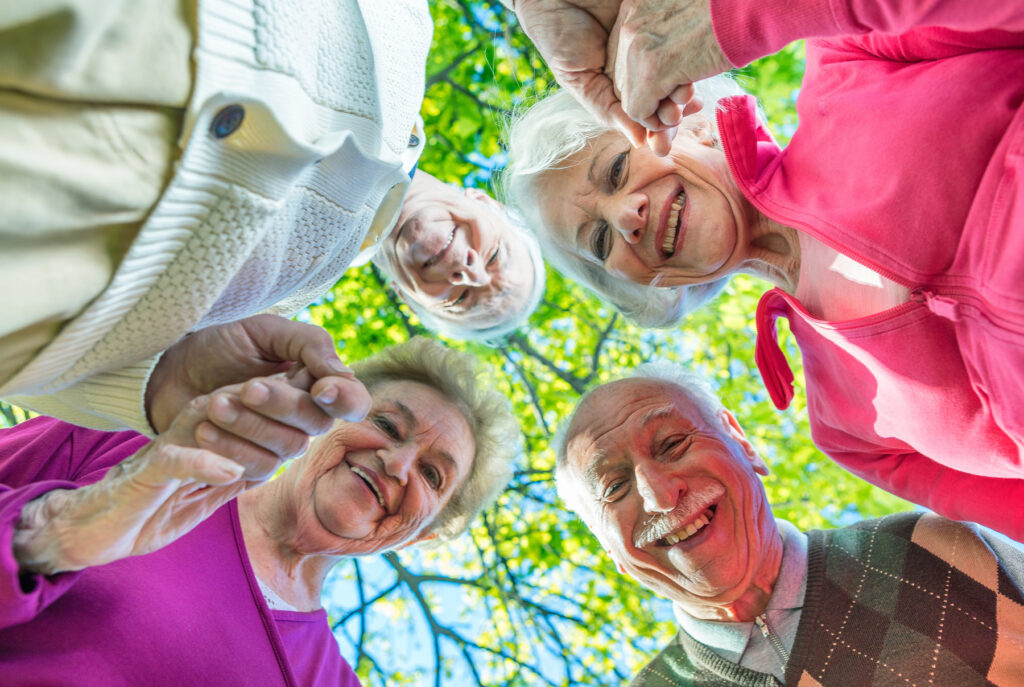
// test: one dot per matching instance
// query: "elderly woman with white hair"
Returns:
(229, 589)
(891, 228)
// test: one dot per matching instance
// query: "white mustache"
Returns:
(658, 525)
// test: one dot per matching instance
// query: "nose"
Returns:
(629, 217)
(398, 461)
(660, 492)
(471, 272)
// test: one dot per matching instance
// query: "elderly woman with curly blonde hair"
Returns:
(229, 589)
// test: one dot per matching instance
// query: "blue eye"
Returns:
(600, 242)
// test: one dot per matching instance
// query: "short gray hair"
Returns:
(693, 386)
(540, 138)
(458, 377)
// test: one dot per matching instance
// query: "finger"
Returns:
(660, 142)
(282, 339)
(597, 93)
(171, 461)
(276, 416)
(254, 461)
(669, 113)
(343, 398)
(289, 402)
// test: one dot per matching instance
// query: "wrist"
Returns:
(38, 544)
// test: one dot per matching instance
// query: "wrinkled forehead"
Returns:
(611, 415)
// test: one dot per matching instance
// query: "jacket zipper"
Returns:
(768, 633)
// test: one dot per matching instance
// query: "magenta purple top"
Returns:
(188, 614)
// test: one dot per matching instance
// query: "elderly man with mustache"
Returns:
(666, 479)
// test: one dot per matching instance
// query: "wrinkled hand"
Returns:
(173, 483)
(257, 346)
(572, 37)
(656, 50)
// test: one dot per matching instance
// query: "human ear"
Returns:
(485, 198)
(740, 437)
(700, 128)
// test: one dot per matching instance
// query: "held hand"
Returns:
(656, 50)
(257, 346)
(572, 37)
(215, 449)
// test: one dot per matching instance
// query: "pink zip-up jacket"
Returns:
(909, 159)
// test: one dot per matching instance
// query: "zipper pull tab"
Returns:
(762, 625)
(940, 305)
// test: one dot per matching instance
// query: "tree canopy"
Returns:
(529, 597)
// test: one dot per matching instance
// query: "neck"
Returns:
(774, 253)
(752, 602)
(271, 540)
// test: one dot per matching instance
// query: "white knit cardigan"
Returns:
(265, 217)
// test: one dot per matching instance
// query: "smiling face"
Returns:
(374, 485)
(455, 254)
(680, 218)
(673, 498)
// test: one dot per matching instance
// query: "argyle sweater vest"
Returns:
(909, 599)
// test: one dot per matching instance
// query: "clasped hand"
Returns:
(218, 444)
(630, 62)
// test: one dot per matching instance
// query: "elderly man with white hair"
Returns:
(667, 480)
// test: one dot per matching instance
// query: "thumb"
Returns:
(282, 339)
(342, 397)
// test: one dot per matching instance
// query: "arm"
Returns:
(658, 46)
(953, 494)
(148, 395)
(747, 30)
(55, 517)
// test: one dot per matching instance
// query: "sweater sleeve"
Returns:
(109, 401)
(749, 29)
(956, 495)
(36, 457)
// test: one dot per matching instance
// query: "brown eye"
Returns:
(616, 169)
(600, 242)
(432, 475)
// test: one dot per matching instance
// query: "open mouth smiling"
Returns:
(675, 219)
(440, 254)
(689, 530)
(371, 482)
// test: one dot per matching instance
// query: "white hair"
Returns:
(694, 387)
(540, 139)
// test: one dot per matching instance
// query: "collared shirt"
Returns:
(743, 643)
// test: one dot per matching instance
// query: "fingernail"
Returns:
(327, 396)
(224, 410)
(256, 394)
(207, 433)
(337, 367)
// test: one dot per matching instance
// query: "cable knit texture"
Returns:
(265, 218)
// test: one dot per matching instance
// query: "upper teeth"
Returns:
(669, 243)
(373, 485)
(437, 256)
(690, 530)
